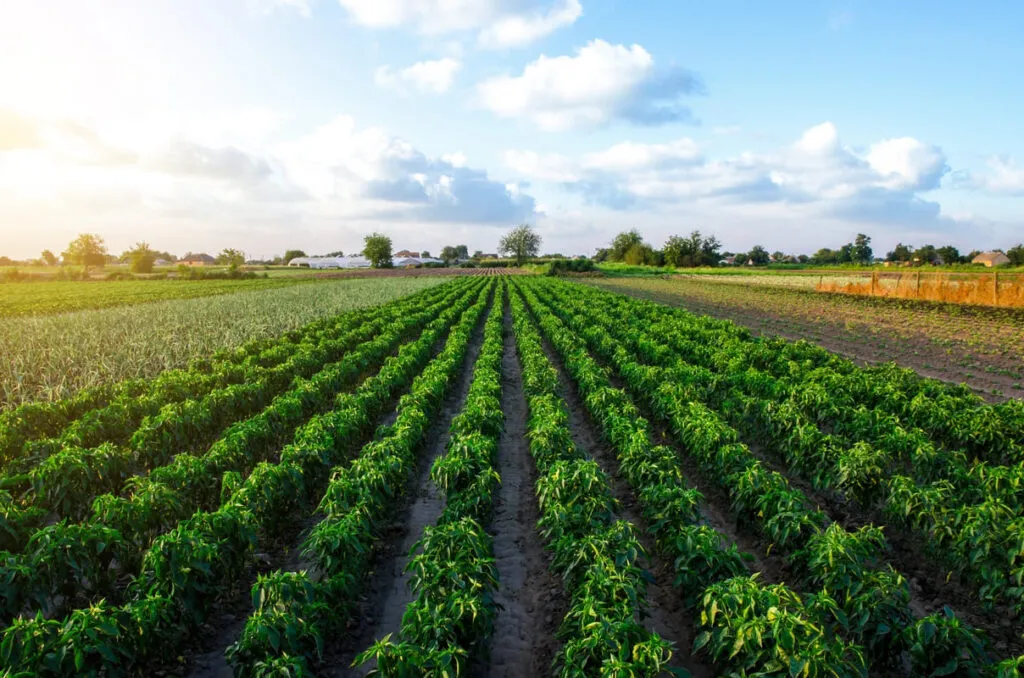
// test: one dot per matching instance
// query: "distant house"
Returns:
(729, 261)
(990, 259)
(161, 262)
(406, 254)
(198, 260)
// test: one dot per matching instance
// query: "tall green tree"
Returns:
(522, 242)
(231, 257)
(292, 254)
(758, 255)
(1016, 255)
(377, 248)
(949, 254)
(623, 243)
(925, 254)
(49, 258)
(862, 253)
(86, 250)
(900, 253)
(449, 255)
(141, 258)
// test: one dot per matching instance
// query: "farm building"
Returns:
(414, 261)
(407, 254)
(330, 262)
(991, 259)
(198, 260)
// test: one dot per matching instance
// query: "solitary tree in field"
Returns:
(521, 242)
(425, 254)
(293, 254)
(49, 258)
(377, 249)
(231, 257)
(141, 257)
(86, 250)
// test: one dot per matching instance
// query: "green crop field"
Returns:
(506, 475)
(52, 356)
(44, 298)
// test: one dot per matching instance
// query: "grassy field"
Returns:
(44, 298)
(981, 347)
(48, 357)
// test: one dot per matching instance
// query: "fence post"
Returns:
(874, 278)
(995, 289)
(917, 290)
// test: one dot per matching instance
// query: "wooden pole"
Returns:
(874, 278)
(917, 290)
(995, 289)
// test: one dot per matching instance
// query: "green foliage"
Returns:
(87, 250)
(377, 248)
(521, 243)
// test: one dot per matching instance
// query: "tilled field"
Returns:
(982, 347)
(516, 477)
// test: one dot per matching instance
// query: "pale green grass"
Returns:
(50, 357)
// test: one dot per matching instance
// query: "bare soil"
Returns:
(531, 599)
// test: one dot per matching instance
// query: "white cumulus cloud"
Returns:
(1003, 176)
(498, 23)
(816, 172)
(435, 77)
(515, 30)
(600, 84)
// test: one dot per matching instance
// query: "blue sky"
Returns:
(272, 124)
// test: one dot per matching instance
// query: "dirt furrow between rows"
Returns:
(532, 601)
(388, 592)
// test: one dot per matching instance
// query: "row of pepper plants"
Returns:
(749, 628)
(872, 599)
(187, 570)
(75, 561)
(453, 574)
(294, 612)
(598, 556)
(66, 483)
(969, 512)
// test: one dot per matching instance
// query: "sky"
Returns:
(265, 125)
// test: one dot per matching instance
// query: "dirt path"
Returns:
(388, 591)
(665, 612)
(532, 599)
